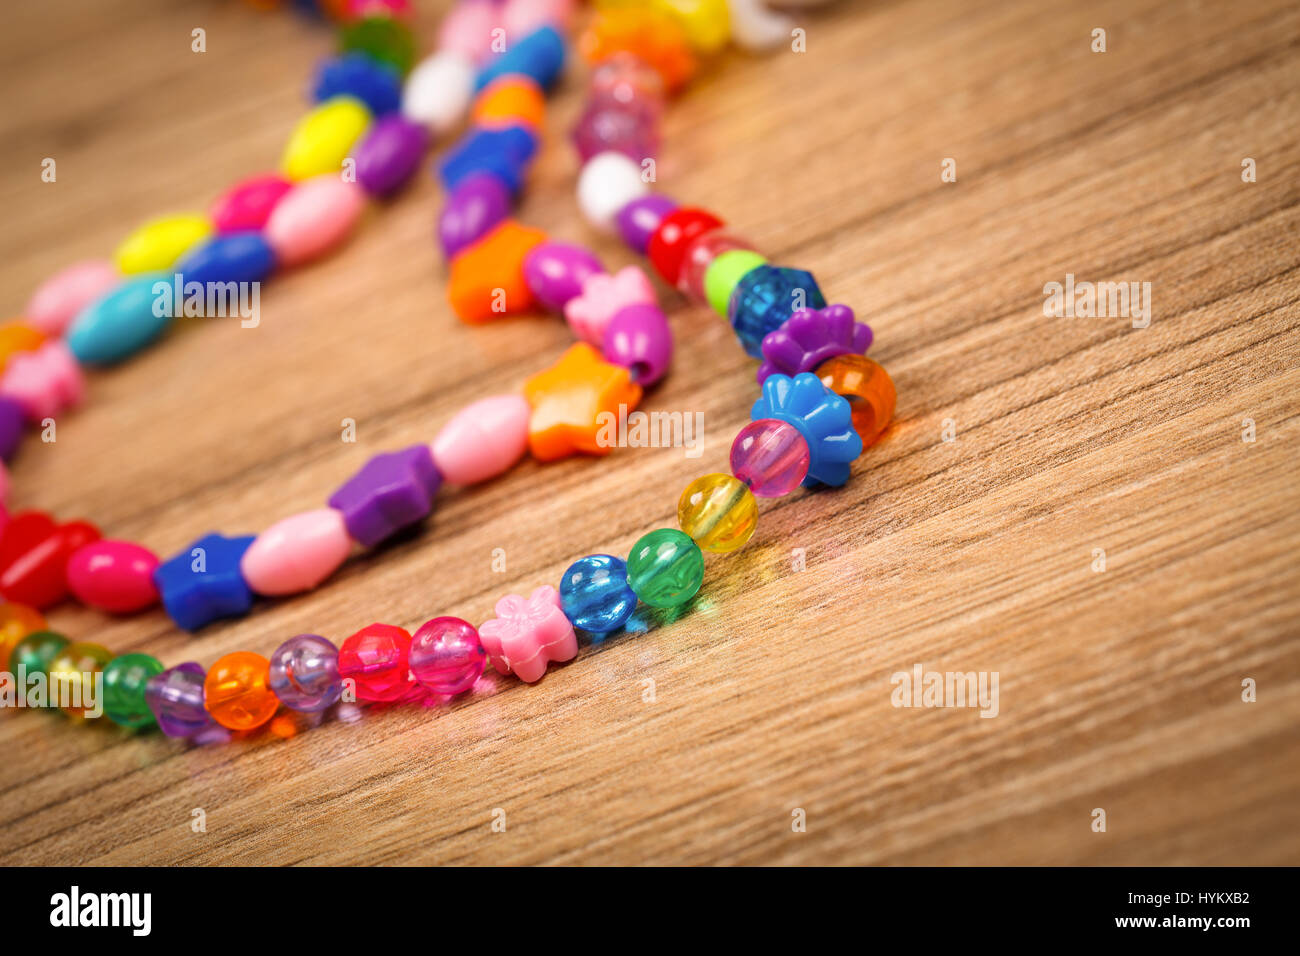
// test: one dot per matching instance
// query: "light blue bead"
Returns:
(503, 152)
(765, 297)
(122, 322)
(233, 257)
(595, 594)
(540, 55)
(821, 416)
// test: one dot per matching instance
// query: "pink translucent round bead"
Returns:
(770, 456)
(699, 255)
(447, 656)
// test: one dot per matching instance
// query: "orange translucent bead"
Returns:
(17, 337)
(577, 404)
(487, 279)
(868, 388)
(73, 684)
(509, 101)
(16, 622)
(237, 692)
(648, 34)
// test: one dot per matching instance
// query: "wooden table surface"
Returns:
(708, 738)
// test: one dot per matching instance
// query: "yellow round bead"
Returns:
(74, 681)
(324, 137)
(159, 243)
(706, 23)
(718, 511)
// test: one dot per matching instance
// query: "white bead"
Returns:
(756, 28)
(606, 184)
(439, 90)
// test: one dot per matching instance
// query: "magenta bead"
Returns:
(555, 271)
(699, 255)
(639, 220)
(638, 338)
(631, 130)
(475, 206)
(447, 656)
(770, 456)
(247, 205)
(114, 576)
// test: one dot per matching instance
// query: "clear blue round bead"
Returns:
(765, 297)
(595, 594)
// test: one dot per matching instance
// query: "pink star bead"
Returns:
(527, 634)
(44, 382)
(604, 296)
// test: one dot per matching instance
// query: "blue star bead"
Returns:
(503, 152)
(195, 597)
(765, 297)
(822, 417)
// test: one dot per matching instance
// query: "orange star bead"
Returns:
(575, 401)
(487, 279)
(508, 101)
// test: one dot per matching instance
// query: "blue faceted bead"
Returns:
(765, 297)
(502, 152)
(595, 594)
(233, 257)
(204, 582)
(376, 84)
(540, 56)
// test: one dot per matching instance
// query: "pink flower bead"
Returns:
(247, 205)
(296, 553)
(528, 633)
(56, 303)
(44, 382)
(483, 439)
(315, 215)
(447, 656)
(468, 29)
(603, 297)
(522, 17)
(114, 576)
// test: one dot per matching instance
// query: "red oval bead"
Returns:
(668, 245)
(34, 556)
(114, 576)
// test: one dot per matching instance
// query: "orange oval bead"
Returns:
(16, 622)
(868, 388)
(510, 100)
(237, 691)
(17, 337)
(647, 34)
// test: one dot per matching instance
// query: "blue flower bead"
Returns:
(821, 416)
(595, 594)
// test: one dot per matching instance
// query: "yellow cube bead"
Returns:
(325, 137)
(160, 243)
(718, 511)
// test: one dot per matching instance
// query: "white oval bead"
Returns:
(439, 90)
(606, 184)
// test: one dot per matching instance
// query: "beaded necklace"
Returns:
(822, 401)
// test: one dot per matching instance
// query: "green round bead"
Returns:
(35, 651)
(665, 568)
(383, 39)
(124, 681)
(724, 274)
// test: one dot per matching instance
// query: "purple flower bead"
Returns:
(176, 699)
(475, 206)
(638, 338)
(390, 154)
(393, 490)
(12, 420)
(555, 272)
(639, 219)
(305, 673)
(810, 337)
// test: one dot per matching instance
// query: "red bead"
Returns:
(34, 556)
(668, 245)
(377, 660)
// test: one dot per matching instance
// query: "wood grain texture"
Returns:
(1119, 689)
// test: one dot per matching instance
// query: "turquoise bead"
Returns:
(665, 568)
(122, 322)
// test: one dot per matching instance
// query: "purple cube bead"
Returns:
(639, 219)
(12, 422)
(176, 698)
(391, 491)
(473, 208)
(305, 673)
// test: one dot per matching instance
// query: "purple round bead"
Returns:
(12, 421)
(176, 698)
(639, 219)
(479, 202)
(631, 130)
(390, 154)
(555, 272)
(447, 656)
(305, 673)
(638, 338)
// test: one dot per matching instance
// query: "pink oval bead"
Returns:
(467, 29)
(56, 303)
(114, 576)
(315, 215)
(44, 382)
(296, 553)
(247, 205)
(483, 439)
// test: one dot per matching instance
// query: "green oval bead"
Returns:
(383, 39)
(125, 678)
(665, 568)
(34, 653)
